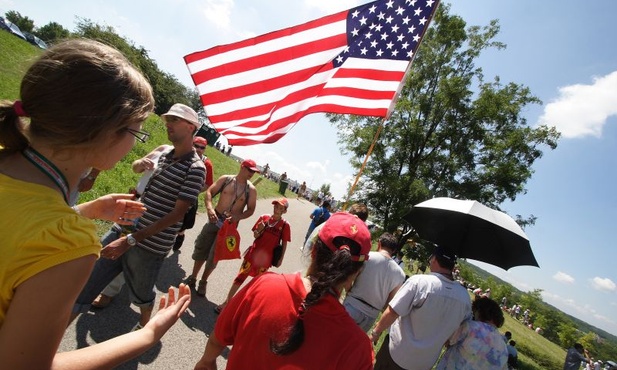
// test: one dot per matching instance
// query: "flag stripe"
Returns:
(353, 62)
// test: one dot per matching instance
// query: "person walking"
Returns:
(171, 190)
(477, 343)
(297, 322)
(270, 232)
(575, 356)
(318, 216)
(237, 201)
(423, 314)
(82, 106)
(378, 282)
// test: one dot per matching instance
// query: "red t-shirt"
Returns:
(260, 253)
(268, 306)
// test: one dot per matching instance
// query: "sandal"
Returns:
(190, 281)
(101, 301)
(201, 288)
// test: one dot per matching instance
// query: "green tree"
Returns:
(24, 23)
(567, 334)
(52, 32)
(451, 134)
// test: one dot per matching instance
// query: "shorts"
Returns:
(204, 243)
(141, 269)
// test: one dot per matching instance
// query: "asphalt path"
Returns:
(184, 344)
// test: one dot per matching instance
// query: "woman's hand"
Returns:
(118, 208)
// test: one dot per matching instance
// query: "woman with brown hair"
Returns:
(293, 321)
(82, 106)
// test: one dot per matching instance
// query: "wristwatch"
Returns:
(131, 240)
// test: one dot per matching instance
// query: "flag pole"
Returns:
(368, 154)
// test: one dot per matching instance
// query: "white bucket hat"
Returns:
(185, 112)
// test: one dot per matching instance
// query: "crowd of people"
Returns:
(81, 110)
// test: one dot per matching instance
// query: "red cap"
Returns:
(200, 140)
(250, 164)
(350, 226)
(281, 201)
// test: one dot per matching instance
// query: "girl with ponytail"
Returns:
(297, 322)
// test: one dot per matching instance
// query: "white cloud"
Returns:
(562, 277)
(218, 12)
(582, 110)
(605, 284)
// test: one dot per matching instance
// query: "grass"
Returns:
(17, 56)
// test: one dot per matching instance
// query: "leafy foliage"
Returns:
(24, 23)
(52, 32)
(451, 134)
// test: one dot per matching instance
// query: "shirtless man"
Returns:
(237, 201)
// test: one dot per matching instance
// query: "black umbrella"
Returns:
(472, 230)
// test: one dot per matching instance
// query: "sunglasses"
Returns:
(139, 135)
(199, 146)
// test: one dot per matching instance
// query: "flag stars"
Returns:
(429, 3)
(355, 32)
(363, 21)
(379, 52)
(417, 12)
(400, 37)
(411, 29)
(390, 4)
(363, 51)
(406, 20)
(369, 35)
(405, 45)
(416, 38)
(389, 45)
(374, 44)
(381, 16)
(423, 21)
(355, 14)
(400, 10)
(384, 36)
(389, 19)
(395, 28)
(372, 9)
(394, 53)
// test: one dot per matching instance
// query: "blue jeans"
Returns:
(363, 320)
(141, 269)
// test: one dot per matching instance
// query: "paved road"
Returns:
(183, 345)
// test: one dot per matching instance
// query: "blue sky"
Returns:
(561, 49)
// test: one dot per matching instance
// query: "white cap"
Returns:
(185, 112)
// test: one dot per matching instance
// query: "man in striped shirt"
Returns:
(173, 187)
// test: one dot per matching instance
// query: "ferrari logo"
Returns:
(230, 241)
(353, 229)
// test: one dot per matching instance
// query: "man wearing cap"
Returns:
(423, 314)
(237, 201)
(270, 232)
(173, 187)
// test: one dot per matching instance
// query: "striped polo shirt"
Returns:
(174, 179)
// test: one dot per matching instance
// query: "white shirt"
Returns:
(431, 307)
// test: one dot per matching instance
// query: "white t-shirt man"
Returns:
(431, 307)
(371, 289)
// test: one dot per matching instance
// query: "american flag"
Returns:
(254, 91)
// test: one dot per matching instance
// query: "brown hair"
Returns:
(327, 270)
(77, 92)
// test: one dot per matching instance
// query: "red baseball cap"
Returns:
(250, 164)
(344, 224)
(282, 201)
(200, 140)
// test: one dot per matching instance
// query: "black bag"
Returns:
(189, 217)
(277, 252)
